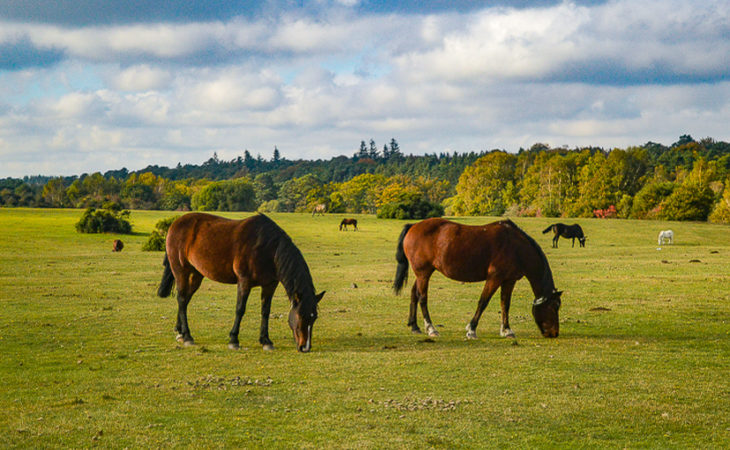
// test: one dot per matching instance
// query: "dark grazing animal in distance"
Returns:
(568, 232)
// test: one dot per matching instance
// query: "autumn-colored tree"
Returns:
(481, 188)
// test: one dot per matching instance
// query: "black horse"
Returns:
(568, 232)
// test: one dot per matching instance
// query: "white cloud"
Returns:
(499, 77)
(141, 77)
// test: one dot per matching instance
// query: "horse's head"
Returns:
(582, 241)
(545, 311)
(302, 316)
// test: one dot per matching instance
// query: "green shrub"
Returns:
(156, 241)
(414, 207)
(690, 201)
(104, 221)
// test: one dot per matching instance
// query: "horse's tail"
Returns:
(546, 230)
(168, 280)
(401, 272)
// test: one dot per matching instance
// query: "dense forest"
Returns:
(684, 181)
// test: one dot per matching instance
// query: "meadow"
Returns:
(89, 357)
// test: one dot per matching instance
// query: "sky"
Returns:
(97, 85)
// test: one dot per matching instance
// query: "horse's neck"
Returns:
(541, 280)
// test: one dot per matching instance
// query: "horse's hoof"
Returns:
(432, 332)
(507, 333)
(179, 338)
(471, 334)
(234, 346)
(416, 331)
(189, 343)
(268, 347)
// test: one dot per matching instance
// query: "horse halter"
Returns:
(544, 299)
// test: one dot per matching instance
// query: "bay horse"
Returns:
(499, 253)
(346, 222)
(249, 253)
(568, 232)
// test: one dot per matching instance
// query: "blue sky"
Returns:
(92, 85)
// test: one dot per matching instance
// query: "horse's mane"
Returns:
(291, 268)
(547, 281)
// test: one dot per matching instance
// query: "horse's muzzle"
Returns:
(550, 333)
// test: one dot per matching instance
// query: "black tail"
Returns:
(401, 272)
(547, 229)
(168, 280)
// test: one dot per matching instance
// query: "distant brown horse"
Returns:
(319, 209)
(346, 222)
(500, 253)
(117, 245)
(250, 252)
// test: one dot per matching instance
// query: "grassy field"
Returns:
(89, 357)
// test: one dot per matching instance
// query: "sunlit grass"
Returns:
(89, 357)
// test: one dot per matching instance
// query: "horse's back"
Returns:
(460, 252)
(217, 247)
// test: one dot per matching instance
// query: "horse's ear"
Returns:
(319, 296)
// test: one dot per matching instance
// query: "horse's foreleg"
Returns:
(267, 292)
(242, 298)
(490, 287)
(506, 299)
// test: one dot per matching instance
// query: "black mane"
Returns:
(547, 282)
(291, 268)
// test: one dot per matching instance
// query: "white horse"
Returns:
(666, 236)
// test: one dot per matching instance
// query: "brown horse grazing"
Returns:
(250, 252)
(500, 253)
(346, 222)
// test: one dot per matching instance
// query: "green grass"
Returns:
(89, 357)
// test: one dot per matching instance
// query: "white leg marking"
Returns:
(430, 329)
(506, 332)
(470, 332)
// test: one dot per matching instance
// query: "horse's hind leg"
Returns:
(419, 295)
(185, 290)
(242, 298)
(267, 292)
(422, 290)
(412, 322)
(490, 287)
(555, 241)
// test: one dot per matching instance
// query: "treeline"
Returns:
(684, 181)
(363, 182)
(687, 181)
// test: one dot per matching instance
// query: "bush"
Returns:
(156, 241)
(721, 213)
(104, 221)
(690, 201)
(414, 207)
(270, 206)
